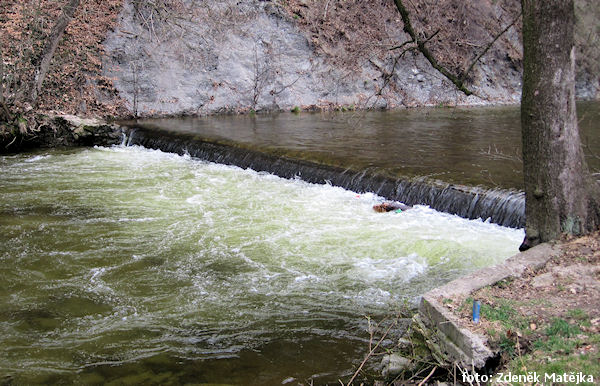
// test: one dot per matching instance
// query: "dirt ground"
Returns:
(518, 316)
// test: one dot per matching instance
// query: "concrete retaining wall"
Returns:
(459, 344)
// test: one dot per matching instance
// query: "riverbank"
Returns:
(539, 317)
(546, 321)
(58, 130)
(125, 57)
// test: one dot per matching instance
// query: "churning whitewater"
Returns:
(113, 255)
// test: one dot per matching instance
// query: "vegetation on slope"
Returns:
(74, 83)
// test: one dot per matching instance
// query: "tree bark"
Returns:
(5, 114)
(43, 64)
(561, 195)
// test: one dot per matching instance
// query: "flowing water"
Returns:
(470, 146)
(134, 266)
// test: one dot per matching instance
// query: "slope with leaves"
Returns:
(74, 83)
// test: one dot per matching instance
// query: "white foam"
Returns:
(37, 158)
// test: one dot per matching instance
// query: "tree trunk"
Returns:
(47, 53)
(561, 196)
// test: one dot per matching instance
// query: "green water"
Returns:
(132, 266)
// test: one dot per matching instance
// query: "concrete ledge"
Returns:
(459, 344)
(504, 207)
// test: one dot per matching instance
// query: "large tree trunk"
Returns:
(561, 196)
(43, 64)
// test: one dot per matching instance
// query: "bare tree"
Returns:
(43, 63)
(135, 73)
(21, 82)
(262, 74)
(561, 194)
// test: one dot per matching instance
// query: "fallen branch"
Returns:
(427, 377)
(11, 142)
(371, 352)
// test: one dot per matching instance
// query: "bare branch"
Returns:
(48, 52)
(5, 114)
(490, 44)
(371, 350)
(425, 51)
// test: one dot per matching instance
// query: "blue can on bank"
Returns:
(476, 309)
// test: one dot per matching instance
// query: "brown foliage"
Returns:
(349, 31)
(74, 83)
(465, 27)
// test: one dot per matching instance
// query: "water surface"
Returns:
(128, 265)
(469, 146)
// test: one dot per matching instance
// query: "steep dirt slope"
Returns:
(267, 55)
(74, 83)
(201, 57)
(237, 56)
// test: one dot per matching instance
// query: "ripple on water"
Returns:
(115, 259)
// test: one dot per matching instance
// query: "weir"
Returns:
(174, 269)
(503, 207)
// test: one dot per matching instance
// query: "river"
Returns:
(125, 264)
(134, 266)
(470, 146)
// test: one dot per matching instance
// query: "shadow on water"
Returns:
(296, 360)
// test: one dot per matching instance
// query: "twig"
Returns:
(463, 371)
(427, 377)
(11, 142)
(454, 372)
(413, 41)
(370, 353)
(418, 373)
(325, 13)
(490, 45)
(284, 87)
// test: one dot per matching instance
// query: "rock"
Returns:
(61, 130)
(394, 364)
(251, 55)
(544, 280)
(404, 343)
(77, 122)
